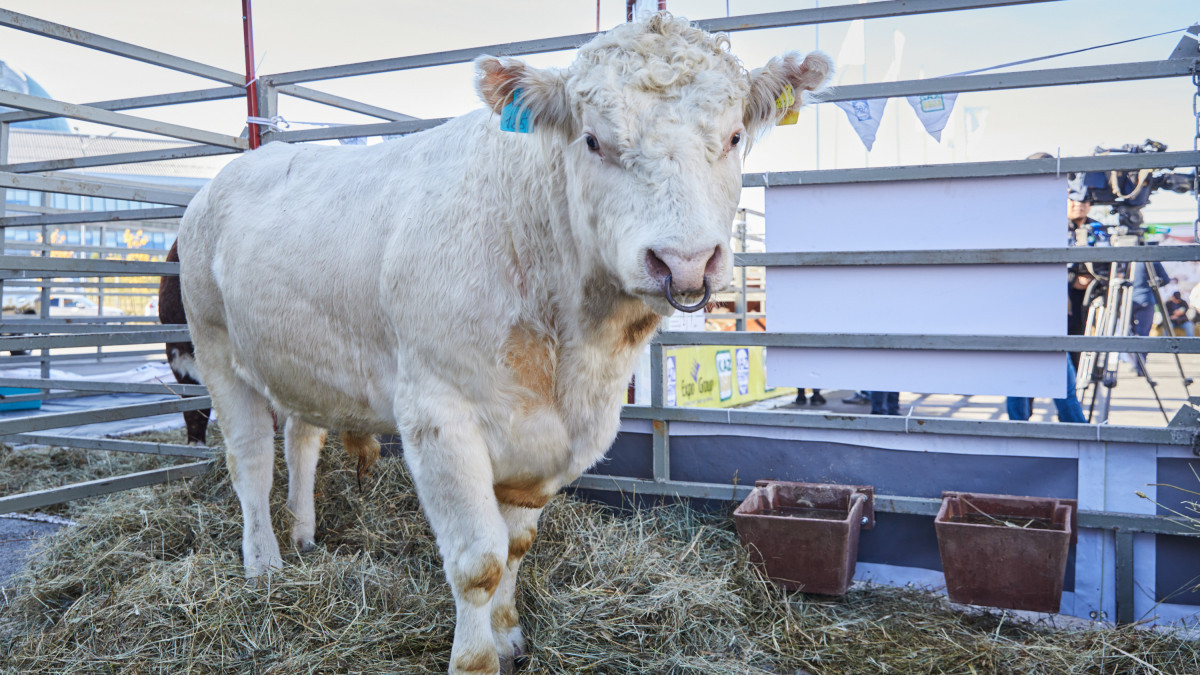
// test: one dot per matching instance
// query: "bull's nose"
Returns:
(687, 270)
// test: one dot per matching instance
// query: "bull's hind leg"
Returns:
(522, 528)
(452, 472)
(249, 432)
(302, 447)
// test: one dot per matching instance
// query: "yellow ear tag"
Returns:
(784, 103)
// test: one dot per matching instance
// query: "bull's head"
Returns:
(655, 118)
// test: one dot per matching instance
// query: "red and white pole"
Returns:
(251, 78)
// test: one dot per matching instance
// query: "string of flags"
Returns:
(933, 110)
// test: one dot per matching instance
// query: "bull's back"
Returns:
(281, 284)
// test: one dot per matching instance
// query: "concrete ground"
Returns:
(19, 534)
(1133, 401)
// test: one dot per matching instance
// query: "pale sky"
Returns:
(297, 34)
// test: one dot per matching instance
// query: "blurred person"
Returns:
(1142, 309)
(885, 402)
(858, 398)
(1177, 314)
(817, 398)
(1019, 408)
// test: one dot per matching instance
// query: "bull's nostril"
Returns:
(655, 266)
(714, 262)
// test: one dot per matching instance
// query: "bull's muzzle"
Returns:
(681, 307)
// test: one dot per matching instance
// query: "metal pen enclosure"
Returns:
(1129, 552)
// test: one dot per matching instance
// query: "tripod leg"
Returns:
(1116, 319)
(1153, 387)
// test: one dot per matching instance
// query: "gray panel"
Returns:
(723, 459)
(1175, 558)
(631, 455)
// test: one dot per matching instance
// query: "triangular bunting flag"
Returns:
(934, 111)
(864, 116)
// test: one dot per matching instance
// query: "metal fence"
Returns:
(50, 336)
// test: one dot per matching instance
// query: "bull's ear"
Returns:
(543, 90)
(776, 89)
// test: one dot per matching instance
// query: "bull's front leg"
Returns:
(522, 523)
(452, 472)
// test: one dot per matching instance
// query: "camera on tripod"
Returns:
(1126, 192)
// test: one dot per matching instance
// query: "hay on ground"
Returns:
(150, 581)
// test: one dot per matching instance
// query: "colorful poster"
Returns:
(669, 388)
(716, 376)
(742, 361)
(724, 363)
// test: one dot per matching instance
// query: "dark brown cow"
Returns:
(181, 355)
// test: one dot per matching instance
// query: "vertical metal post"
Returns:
(662, 432)
(740, 300)
(251, 84)
(268, 107)
(1124, 577)
(3, 204)
(45, 304)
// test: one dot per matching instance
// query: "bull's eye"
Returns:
(592, 143)
(735, 138)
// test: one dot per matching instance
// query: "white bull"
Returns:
(483, 293)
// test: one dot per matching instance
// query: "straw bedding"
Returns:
(150, 581)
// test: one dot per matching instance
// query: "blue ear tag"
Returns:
(516, 117)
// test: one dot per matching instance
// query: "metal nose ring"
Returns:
(685, 308)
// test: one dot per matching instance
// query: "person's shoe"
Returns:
(818, 399)
(858, 398)
(800, 399)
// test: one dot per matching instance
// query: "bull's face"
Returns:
(655, 118)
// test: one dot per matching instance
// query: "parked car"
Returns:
(62, 304)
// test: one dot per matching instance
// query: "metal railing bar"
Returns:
(356, 130)
(1104, 433)
(40, 183)
(30, 24)
(835, 14)
(86, 266)
(92, 488)
(19, 398)
(76, 248)
(182, 152)
(132, 356)
(100, 116)
(111, 387)
(99, 321)
(24, 424)
(114, 445)
(1021, 167)
(33, 284)
(153, 101)
(1007, 343)
(427, 60)
(1025, 79)
(923, 506)
(747, 22)
(50, 326)
(342, 102)
(94, 217)
(106, 339)
(1007, 256)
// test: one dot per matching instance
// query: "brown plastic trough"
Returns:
(1005, 551)
(805, 535)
